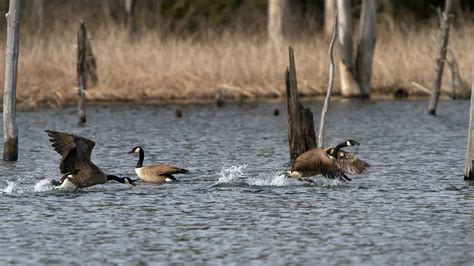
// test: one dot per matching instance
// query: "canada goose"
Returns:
(331, 162)
(156, 173)
(76, 167)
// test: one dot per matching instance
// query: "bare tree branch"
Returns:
(330, 84)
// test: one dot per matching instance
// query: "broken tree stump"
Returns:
(301, 134)
(81, 70)
(443, 47)
(10, 129)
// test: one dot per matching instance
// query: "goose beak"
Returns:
(356, 143)
(130, 181)
(130, 152)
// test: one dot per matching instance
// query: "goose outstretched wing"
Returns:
(349, 163)
(75, 150)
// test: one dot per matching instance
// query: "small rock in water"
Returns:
(178, 113)
(276, 112)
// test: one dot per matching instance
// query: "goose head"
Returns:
(136, 150)
(351, 142)
(123, 180)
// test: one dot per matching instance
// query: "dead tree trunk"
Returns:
(349, 87)
(330, 83)
(129, 10)
(81, 70)
(276, 20)
(365, 51)
(301, 134)
(10, 130)
(329, 10)
(468, 167)
(443, 47)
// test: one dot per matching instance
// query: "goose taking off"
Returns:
(155, 173)
(332, 162)
(76, 166)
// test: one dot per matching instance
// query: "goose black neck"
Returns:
(141, 156)
(116, 178)
(338, 147)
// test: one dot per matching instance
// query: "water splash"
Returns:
(234, 175)
(326, 182)
(10, 187)
(43, 185)
(271, 180)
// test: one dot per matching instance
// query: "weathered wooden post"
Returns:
(365, 51)
(301, 134)
(349, 86)
(330, 84)
(443, 47)
(81, 70)
(276, 20)
(10, 130)
(468, 167)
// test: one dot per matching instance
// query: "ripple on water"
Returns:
(412, 208)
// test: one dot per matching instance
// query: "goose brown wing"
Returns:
(350, 164)
(75, 150)
(317, 161)
(164, 169)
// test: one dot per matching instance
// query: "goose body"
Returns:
(76, 167)
(331, 162)
(156, 173)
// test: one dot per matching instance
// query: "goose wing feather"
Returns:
(75, 150)
(349, 163)
(318, 162)
(163, 169)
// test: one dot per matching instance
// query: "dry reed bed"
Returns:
(193, 69)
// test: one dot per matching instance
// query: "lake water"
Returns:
(234, 207)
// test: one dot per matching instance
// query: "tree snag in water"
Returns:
(10, 129)
(443, 47)
(301, 134)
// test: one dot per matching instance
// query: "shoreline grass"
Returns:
(244, 66)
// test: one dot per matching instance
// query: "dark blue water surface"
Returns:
(234, 206)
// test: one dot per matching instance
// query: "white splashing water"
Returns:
(234, 175)
(271, 180)
(10, 187)
(326, 182)
(43, 185)
(231, 174)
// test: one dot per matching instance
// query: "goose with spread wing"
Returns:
(76, 166)
(331, 162)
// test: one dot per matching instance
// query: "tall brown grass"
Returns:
(195, 68)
